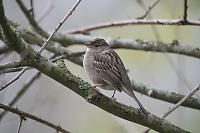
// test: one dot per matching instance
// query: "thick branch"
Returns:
(173, 47)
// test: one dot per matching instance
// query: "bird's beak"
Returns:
(88, 44)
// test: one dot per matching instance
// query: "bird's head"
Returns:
(97, 42)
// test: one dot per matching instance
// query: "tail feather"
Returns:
(138, 102)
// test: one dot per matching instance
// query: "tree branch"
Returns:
(153, 46)
(134, 22)
(2, 87)
(20, 124)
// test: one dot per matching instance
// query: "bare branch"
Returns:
(174, 107)
(33, 117)
(149, 9)
(181, 101)
(20, 124)
(134, 22)
(14, 79)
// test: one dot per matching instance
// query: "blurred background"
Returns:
(51, 101)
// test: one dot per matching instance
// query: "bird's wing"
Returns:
(106, 65)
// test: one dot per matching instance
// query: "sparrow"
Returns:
(106, 70)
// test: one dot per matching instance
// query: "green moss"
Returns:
(176, 96)
(26, 30)
(61, 64)
(82, 84)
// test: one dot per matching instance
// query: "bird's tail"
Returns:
(138, 102)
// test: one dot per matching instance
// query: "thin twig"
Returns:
(33, 117)
(20, 124)
(58, 27)
(149, 9)
(181, 101)
(185, 10)
(14, 79)
(174, 107)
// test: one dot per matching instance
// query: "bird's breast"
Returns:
(89, 70)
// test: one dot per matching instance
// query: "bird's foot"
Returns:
(97, 85)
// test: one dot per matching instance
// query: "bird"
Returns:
(106, 70)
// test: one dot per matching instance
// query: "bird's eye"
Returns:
(96, 45)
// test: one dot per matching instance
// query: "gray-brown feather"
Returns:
(110, 67)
